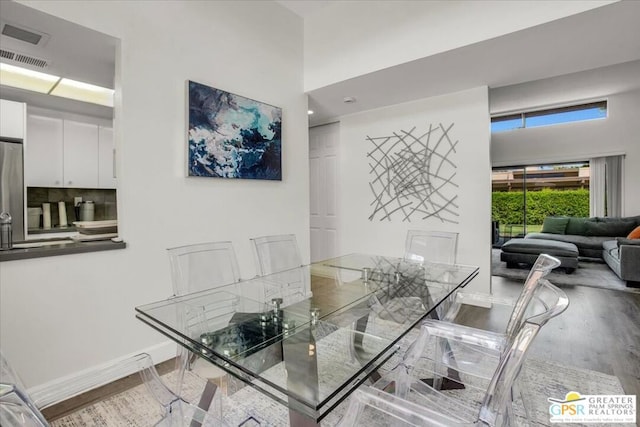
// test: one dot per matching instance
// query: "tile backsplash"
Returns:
(105, 201)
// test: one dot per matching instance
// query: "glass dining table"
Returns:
(309, 336)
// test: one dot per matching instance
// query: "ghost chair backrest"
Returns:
(431, 246)
(202, 266)
(274, 254)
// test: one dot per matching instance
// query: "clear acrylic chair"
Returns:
(222, 310)
(280, 254)
(274, 254)
(431, 246)
(16, 407)
(195, 268)
(428, 246)
(176, 410)
(481, 360)
(202, 266)
(169, 409)
(450, 359)
(418, 404)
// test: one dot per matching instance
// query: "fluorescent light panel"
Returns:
(86, 92)
(22, 78)
(36, 81)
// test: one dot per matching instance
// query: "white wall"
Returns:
(468, 110)
(339, 37)
(617, 134)
(65, 314)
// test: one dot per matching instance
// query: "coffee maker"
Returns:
(85, 211)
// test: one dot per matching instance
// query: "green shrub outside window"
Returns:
(508, 207)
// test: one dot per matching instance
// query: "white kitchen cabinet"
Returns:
(12, 119)
(106, 158)
(43, 152)
(80, 155)
(68, 153)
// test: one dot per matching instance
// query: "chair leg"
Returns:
(404, 370)
(351, 344)
(520, 390)
(352, 414)
(438, 366)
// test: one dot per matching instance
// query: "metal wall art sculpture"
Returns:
(413, 175)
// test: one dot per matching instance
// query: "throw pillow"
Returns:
(635, 234)
(609, 229)
(576, 226)
(554, 225)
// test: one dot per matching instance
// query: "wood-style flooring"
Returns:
(599, 331)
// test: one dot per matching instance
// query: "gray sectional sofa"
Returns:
(603, 238)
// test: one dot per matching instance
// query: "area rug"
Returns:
(592, 274)
(135, 407)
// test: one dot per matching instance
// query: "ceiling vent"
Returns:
(24, 34)
(21, 34)
(22, 58)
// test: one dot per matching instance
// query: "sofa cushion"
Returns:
(635, 219)
(538, 246)
(612, 228)
(611, 248)
(554, 225)
(625, 241)
(576, 226)
(594, 242)
(635, 233)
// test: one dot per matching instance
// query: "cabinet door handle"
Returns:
(70, 182)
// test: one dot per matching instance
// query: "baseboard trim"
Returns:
(63, 388)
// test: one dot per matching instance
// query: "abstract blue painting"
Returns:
(231, 136)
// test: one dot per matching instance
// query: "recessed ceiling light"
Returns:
(349, 99)
(310, 112)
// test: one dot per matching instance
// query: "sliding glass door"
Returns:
(522, 196)
(508, 204)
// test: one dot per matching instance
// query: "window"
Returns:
(514, 121)
(522, 196)
(553, 116)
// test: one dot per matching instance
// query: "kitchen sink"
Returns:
(28, 245)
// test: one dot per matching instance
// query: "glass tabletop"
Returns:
(378, 267)
(307, 337)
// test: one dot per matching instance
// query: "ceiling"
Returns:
(596, 38)
(600, 37)
(304, 8)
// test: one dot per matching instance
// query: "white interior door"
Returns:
(323, 168)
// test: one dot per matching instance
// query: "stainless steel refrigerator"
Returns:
(12, 184)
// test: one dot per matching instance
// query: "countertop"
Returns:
(70, 229)
(58, 247)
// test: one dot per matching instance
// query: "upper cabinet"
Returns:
(12, 119)
(80, 164)
(68, 153)
(106, 158)
(43, 152)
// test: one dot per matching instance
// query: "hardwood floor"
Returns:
(599, 331)
(68, 406)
